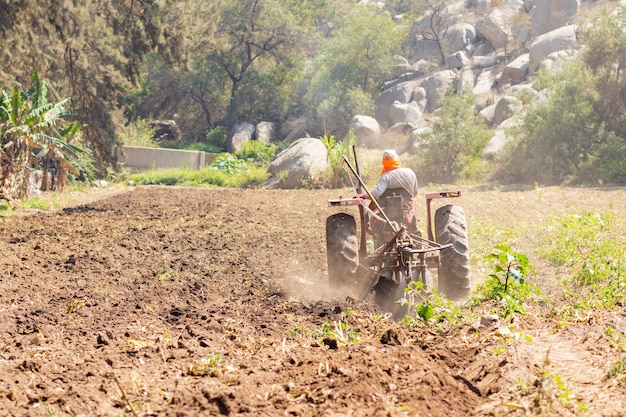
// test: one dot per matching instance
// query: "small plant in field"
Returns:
(228, 163)
(436, 310)
(340, 331)
(591, 244)
(618, 371)
(37, 203)
(163, 272)
(74, 305)
(5, 208)
(507, 284)
(509, 266)
(207, 366)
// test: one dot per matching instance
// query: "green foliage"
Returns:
(507, 285)
(435, 312)
(217, 137)
(206, 176)
(257, 153)
(37, 203)
(605, 55)
(341, 331)
(577, 135)
(201, 146)
(593, 248)
(139, 133)
(36, 133)
(337, 172)
(228, 163)
(552, 155)
(349, 70)
(207, 366)
(453, 148)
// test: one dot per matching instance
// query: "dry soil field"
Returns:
(202, 302)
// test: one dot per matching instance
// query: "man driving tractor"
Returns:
(396, 183)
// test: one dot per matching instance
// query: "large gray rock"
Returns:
(488, 114)
(496, 28)
(405, 113)
(516, 71)
(401, 92)
(266, 132)
(547, 15)
(500, 138)
(304, 159)
(457, 60)
(436, 86)
(557, 40)
(366, 130)
(241, 133)
(459, 36)
(483, 90)
(505, 108)
(465, 83)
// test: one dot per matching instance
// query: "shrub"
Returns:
(452, 149)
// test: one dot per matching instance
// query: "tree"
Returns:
(349, 70)
(431, 28)
(457, 140)
(605, 55)
(34, 132)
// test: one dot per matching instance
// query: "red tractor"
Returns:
(400, 253)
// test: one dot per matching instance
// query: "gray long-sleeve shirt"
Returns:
(397, 179)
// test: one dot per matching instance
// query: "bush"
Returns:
(452, 151)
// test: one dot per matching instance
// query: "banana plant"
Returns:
(35, 133)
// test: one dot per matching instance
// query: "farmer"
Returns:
(396, 180)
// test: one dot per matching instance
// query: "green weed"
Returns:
(507, 285)
(207, 366)
(592, 246)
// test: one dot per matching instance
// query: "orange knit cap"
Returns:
(390, 161)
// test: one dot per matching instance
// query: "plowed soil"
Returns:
(203, 302)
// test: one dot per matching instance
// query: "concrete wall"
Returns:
(140, 158)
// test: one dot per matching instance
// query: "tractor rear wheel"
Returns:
(454, 262)
(342, 252)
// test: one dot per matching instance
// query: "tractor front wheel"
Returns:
(454, 262)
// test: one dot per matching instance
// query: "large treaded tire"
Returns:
(342, 251)
(454, 263)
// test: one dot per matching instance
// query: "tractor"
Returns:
(398, 253)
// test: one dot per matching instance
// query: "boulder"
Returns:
(496, 28)
(241, 133)
(366, 130)
(304, 159)
(465, 83)
(457, 60)
(459, 36)
(500, 138)
(516, 71)
(436, 86)
(266, 132)
(483, 90)
(547, 15)
(405, 113)
(505, 108)
(556, 40)
(401, 92)
(488, 114)
(418, 138)
(419, 96)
